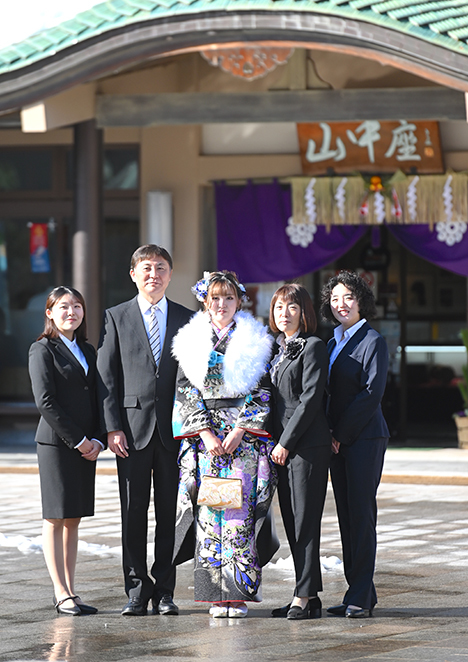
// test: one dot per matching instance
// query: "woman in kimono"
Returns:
(221, 409)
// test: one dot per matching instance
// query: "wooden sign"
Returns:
(370, 146)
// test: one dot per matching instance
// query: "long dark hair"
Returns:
(296, 294)
(50, 330)
(357, 286)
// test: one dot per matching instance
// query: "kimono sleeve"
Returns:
(189, 415)
(255, 412)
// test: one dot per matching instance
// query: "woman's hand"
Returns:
(232, 440)
(212, 443)
(335, 446)
(90, 449)
(279, 455)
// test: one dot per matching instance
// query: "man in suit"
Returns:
(136, 386)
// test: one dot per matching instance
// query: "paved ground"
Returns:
(421, 578)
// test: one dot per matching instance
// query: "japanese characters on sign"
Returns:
(370, 146)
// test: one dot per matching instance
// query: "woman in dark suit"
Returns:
(62, 367)
(358, 376)
(299, 375)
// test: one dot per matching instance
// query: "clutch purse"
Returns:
(220, 493)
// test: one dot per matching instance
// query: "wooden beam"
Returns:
(432, 103)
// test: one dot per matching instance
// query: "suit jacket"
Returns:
(65, 396)
(356, 386)
(134, 394)
(299, 420)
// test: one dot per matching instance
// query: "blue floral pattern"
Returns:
(226, 563)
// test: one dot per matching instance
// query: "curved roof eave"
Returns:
(107, 51)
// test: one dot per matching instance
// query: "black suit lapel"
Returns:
(286, 362)
(350, 345)
(138, 327)
(90, 357)
(67, 354)
(172, 326)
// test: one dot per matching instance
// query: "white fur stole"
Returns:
(247, 353)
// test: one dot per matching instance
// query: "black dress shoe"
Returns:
(166, 606)
(339, 610)
(68, 611)
(313, 609)
(135, 607)
(357, 612)
(281, 612)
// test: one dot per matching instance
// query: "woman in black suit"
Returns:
(62, 367)
(299, 375)
(358, 376)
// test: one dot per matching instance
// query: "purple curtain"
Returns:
(419, 239)
(252, 239)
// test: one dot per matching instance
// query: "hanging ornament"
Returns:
(309, 198)
(450, 233)
(379, 207)
(396, 210)
(412, 199)
(300, 234)
(375, 184)
(340, 198)
(379, 188)
(364, 208)
(448, 199)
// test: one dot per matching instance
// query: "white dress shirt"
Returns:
(161, 315)
(75, 349)
(342, 337)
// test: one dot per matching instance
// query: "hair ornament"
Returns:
(200, 289)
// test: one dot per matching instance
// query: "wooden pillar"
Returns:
(403, 339)
(87, 260)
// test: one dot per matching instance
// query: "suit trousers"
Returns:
(156, 464)
(302, 488)
(355, 472)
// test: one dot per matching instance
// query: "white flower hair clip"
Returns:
(200, 289)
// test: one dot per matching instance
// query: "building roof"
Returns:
(443, 23)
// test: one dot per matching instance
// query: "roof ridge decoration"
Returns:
(443, 23)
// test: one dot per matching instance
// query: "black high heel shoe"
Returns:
(85, 609)
(67, 611)
(313, 609)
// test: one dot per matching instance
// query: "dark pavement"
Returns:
(421, 579)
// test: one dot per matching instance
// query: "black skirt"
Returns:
(67, 482)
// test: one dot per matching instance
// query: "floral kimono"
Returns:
(222, 384)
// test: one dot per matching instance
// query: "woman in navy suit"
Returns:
(62, 367)
(299, 374)
(357, 380)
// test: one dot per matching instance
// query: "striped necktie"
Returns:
(154, 337)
